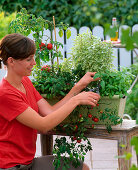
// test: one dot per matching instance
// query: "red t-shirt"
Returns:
(17, 141)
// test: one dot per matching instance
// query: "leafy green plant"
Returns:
(91, 53)
(114, 82)
(52, 82)
(27, 24)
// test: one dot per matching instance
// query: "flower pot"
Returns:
(107, 111)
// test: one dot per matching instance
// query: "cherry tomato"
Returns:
(79, 140)
(92, 125)
(80, 115)
(90, 115)
(46, 67)
(76, 127)
(95, 119)
(49, 46)
(91, 107)
(97, 104)
(74, 138)
(42, 45)
(101, 111)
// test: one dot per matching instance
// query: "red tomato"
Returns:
(46, 67)
(76, 127)
(42, 45)
(74, 138)
(95, 119)
(92, 125)
(49, 46)
(101, 111)
(80, 115)
(91, 107)
(79, 140)
(90, 115)
(97, 104)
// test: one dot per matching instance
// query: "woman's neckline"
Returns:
(18, 89)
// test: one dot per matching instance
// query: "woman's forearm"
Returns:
(74, 91)
(52, 120)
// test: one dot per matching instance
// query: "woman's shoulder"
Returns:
(6, 89)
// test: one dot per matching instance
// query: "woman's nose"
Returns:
(33, 61)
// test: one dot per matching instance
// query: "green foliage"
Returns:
(4, 23)
(134, 142)
(129, 41)
(73, 148)
(26, 23)
(132, 99)
(125, 11)
(53, 83)
(132, 103)
(114, 83)
(133, 167)
(78, 13)
(91, 53)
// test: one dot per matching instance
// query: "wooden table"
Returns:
(122, 133)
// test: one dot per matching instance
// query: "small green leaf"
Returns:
(102, 84)
(128, 156)
(97, 75)
(68, 33)
(60, 33)
(122, 145)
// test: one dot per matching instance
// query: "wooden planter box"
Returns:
(116, 106)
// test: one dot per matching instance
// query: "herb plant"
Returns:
(91, 53)
(114, 82)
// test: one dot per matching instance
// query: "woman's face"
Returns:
(24, 67)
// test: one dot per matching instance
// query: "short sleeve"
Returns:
(11, 105)
(37, 94)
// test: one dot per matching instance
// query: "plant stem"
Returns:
(55, 40)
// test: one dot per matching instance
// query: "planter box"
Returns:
(106, 109)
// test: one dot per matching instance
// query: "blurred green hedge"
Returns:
(78, 13)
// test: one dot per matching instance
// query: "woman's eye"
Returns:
(28, 59)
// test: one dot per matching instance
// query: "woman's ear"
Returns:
(10, 61)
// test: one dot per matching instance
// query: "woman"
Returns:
(23, 111)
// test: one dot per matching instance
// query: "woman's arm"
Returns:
(32, 119)
(84, 81)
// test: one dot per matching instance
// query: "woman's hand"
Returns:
(87, 98)
(86, 79)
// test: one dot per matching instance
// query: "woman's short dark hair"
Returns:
(16, 46)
